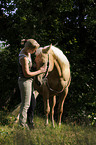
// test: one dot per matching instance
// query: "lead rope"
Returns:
(46, 73)
(58, 92)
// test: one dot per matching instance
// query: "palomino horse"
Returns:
(55, 81)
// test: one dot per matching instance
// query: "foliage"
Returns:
(68, 23)
(8, 77)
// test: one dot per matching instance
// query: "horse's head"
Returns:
(42, 56)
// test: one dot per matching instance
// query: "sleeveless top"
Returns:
(20, 71)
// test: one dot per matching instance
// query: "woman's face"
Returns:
(32, 50)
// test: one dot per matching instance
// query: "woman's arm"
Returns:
(26, 71)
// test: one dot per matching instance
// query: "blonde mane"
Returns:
(63, 62)
(62, 59)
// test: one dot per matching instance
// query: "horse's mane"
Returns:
(64, 64)
(61, 58)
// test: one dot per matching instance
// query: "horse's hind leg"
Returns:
(60, 105)
(52, 104)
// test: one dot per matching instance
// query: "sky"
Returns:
(4, 11)
(3, 44)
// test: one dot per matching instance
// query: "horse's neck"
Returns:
(58, 67)
(54, 77)
(58, 54)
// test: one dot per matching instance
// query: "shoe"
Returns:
(25, 126)
(31, 126)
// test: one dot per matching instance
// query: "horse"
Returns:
(54, 82)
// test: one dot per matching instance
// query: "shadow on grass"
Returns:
(6, 118)
(3, 118)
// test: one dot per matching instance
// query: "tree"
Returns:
(68, 23)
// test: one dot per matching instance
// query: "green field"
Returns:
(67, 134)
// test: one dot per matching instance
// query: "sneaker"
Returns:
(25, 126)
(31, 126)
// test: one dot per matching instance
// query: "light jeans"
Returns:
(26, 91)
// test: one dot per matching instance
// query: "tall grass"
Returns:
(67, 134)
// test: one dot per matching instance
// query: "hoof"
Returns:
(46, 124)
(59, 124)
(31, 126)
(53, 126)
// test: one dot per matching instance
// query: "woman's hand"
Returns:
(43, 68)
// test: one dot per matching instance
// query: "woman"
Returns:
(25, 82)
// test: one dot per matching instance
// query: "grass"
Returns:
(67, 134)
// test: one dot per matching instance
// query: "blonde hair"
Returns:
(31, 43)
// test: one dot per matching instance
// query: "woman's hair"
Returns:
(31, 43)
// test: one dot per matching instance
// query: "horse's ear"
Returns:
(46, 48)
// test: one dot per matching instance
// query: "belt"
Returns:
(24, 78)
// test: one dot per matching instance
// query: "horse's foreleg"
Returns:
(60, 106)
(53, 103)
(45, 94)
(46, 109)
